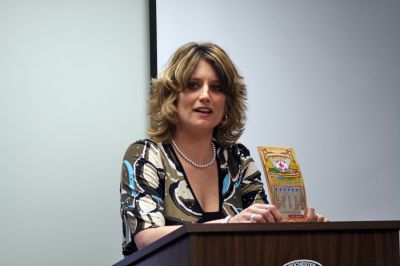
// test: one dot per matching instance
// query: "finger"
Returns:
(261, 218)
(253, 217)
(246, 221)
(240, 218)
(269, 218)
(267, 214)
(275, 212)
(258, 205)
(311, 215)
(262, 215)
(320, 218)
(258, 210)
(246, 218)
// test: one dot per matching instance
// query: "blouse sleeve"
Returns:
(141, 191)
(252, 187)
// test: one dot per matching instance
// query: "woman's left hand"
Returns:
(313, 216)
(258, 213)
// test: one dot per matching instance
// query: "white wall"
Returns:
(323, 77)
(73, 80)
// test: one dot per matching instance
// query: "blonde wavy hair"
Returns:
(165, 90)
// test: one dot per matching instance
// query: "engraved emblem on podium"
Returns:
(302, 262)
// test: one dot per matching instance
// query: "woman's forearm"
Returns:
(149, 235)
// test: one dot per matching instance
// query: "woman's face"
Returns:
(201, 103)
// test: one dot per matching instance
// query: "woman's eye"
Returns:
(193, 85)
(217, 87)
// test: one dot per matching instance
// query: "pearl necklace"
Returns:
(197, 165)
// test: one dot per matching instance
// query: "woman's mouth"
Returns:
(203, 110)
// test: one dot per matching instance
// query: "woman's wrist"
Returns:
(226, 219)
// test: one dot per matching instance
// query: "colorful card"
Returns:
(285, 182)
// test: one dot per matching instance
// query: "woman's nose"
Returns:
(205, 92)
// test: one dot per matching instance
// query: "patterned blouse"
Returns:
(155, 191)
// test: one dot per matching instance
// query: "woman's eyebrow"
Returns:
(199, 79)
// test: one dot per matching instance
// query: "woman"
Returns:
(191, 170)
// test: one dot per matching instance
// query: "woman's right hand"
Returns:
(258, 213)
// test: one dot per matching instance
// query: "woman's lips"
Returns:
(203, 110)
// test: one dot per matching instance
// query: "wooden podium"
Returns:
(332, 243)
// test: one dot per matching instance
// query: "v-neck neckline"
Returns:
(180, 168)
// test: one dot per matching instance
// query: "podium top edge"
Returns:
(306, 226)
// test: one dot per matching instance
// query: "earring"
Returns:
(224, 120)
